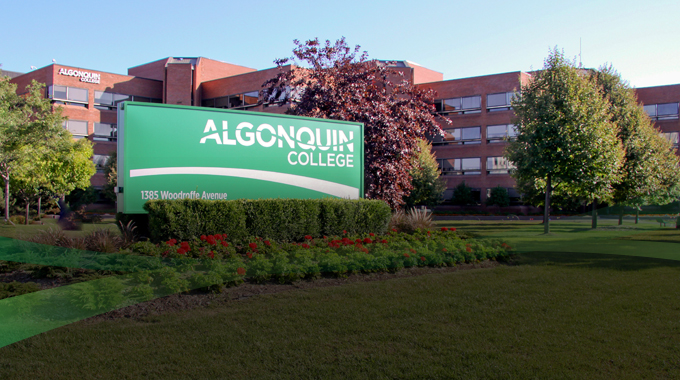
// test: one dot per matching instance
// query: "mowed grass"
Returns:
(550, 315)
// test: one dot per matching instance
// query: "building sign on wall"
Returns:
(179, 152)
(85, 76)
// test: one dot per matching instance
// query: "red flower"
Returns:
(444, 249)
(181, 251)
(422, 258)
(368, 241)
(468, 249)
(429, 232)
(452, 228)
(413, 250)
(383, 241)
(218, 237)
(250, 255)
(203, 237)
(394, 230)
(267, 243)
(308, 237)
(171, 242)
(358, 241)
(371, 234)
(165, 253)
(365, 250)
(406, 255)
(253, 246)
(241, 271)
(305, 245)
(212, 254)
(344, 232)
(444, 229)
(224, 243)
(211, 240)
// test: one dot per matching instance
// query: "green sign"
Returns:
(179, 152)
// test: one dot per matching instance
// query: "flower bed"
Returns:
(261, 259)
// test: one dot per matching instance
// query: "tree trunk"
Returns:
(546, 212)
(594, 222)
(637, 215)
(6, 198)
(28, 205)
(39, 204)
(621, 215)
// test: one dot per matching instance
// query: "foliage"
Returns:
(15, 288)
(81, 197)
(339, 85)
(462, 195)
(565, 141)
(277, 219)
(111, 174)
(499, 197)
(411, 221)
(650, 172)
(27, 123)
(428, 187)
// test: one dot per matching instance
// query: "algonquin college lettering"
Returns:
(328, 152)
(85, 76)
(178, 152)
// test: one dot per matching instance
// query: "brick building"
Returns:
(471, 150)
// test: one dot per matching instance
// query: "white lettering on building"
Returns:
(85, 76)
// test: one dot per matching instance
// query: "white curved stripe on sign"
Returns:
(327, 187)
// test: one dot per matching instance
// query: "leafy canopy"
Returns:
(338, 84)
(428, 187)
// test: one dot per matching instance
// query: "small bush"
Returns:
(412, 220)
(499, 196)
(16, 288)
(462, 195)
(18, 219)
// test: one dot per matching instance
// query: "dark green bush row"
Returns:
(276, 219)
(16, 288)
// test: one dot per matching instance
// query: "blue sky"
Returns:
(458, 38)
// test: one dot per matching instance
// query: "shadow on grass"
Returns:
(594, 261)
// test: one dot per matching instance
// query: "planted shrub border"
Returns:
(275, 219)
(259, 259)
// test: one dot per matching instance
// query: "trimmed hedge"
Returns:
(276, 219)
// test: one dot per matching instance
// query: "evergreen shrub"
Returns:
(276, 219)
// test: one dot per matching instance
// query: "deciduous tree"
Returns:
(338, 84)
(25, 120)
(428, 187)
(565, 139)
(650, 171)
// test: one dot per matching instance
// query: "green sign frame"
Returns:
(181, 152)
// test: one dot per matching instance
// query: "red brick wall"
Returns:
(152, 70)
(178, 84)
(424, 75)
(469, 87)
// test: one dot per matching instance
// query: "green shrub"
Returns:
(276, 219)
(498, 196)
(16, 288)
(462, 195)
(18, 219)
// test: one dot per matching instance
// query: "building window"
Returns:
(460, 166)
(238, 101)
(463, 105)
(105, 132)
(499, 102)
(463, 136)
(68, 95)
(498, 165)
(109, 100)
(100, 162)
(673, 137)
(500, 133)
(663, 111)
(78, 128)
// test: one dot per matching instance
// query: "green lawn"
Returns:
(568, 312)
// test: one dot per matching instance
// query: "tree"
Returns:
(428, 187)
(111, 174)
(338, 85)
(650, 171)
(25, 121)
(565, 140)
(462, 195)
(499, 196)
